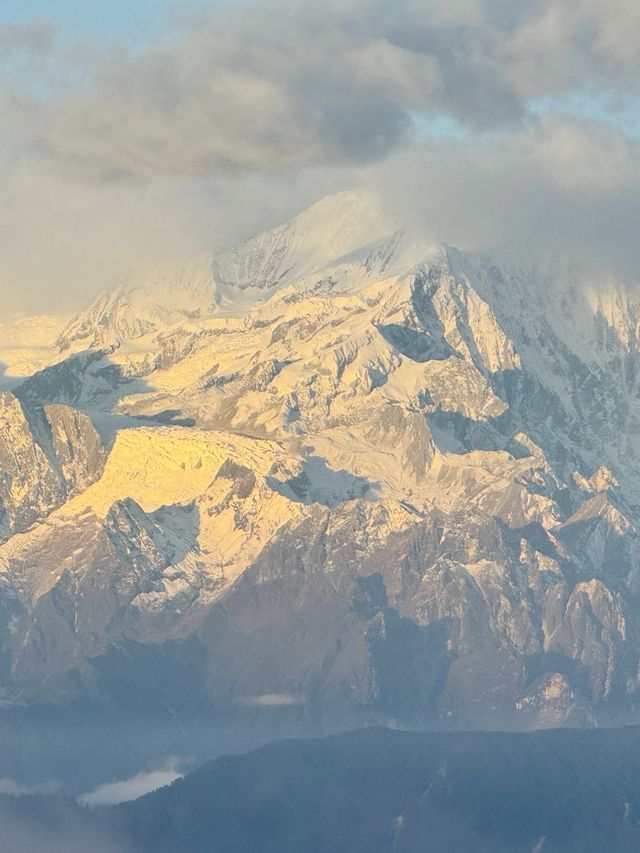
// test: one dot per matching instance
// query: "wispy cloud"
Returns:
(124, 790)
(10, 786)
(53, 825)
(272, 700)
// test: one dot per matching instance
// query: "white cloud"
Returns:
(125, 790)
(272, 700)
(10, 786)
(282, 85)
(110, 160)
(556, 186)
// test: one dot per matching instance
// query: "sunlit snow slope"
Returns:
(339, 463)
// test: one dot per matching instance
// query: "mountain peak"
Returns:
(307, 244)
(140, 304)
(339, 410)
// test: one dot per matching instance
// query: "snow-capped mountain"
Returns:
(340, 465)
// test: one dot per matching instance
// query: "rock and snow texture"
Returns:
(339, 463)
(46, 455)
(26, 346)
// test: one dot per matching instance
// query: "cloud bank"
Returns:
(109, 158)
(558, 188)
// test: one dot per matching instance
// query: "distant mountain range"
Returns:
(372, 791)
(339, 469)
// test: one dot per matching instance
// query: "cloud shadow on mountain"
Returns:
(317, 483)
(66, 381)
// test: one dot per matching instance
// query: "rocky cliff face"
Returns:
(399, 478)
(47, 455)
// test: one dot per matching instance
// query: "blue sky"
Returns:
(622, 113)
(132, 20)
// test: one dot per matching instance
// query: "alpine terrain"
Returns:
(340, 469)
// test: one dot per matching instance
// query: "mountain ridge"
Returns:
(449, 437)
(371, 790)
